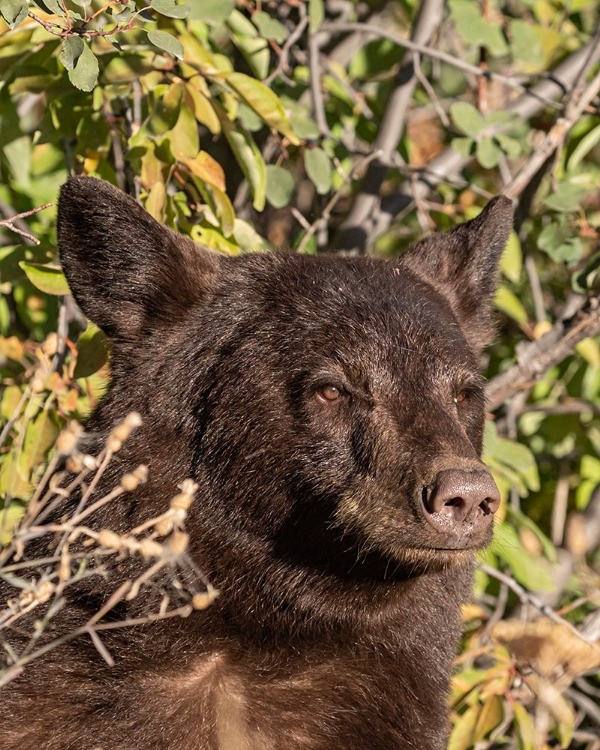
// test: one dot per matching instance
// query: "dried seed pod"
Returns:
(64, 568)
(50, 345)
(164, 526)
(44, 591)
(151, 548)
(37, 383)
(132, 480)
(178, 543)
(204, 599)
(68, 438)
(122, 431)
(110, 539)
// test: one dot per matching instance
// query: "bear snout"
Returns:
(460, 504)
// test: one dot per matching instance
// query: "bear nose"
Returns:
(461, 502)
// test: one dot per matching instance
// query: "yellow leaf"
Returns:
(590, 351)
(207, 169)
(212, 238)
(264, 102)
(156, 200)
(526, 734)
(202, 108)
(490, 715)
(462, 733)
(183, 137)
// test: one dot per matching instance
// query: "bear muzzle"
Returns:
(460, 505)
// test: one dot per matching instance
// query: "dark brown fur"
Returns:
(339, 614)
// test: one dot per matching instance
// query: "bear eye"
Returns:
(462, 397)
(328, 394)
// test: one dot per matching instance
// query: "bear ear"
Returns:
(124, 269)
(462, 264)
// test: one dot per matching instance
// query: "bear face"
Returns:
(331, 411)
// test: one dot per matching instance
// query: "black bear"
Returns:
(331, 412)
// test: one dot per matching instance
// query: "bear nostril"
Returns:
(454, 502)
(460, 498)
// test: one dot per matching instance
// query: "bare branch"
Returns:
(393, 121)
(527, 598)
(15, 224)
(423, 49)
(449, 163)
(534, 359)
(554, 139)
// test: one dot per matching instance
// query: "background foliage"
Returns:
(356, 126)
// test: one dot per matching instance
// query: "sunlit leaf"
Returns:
(92, 352)
(269, 27)
(280, 186)
(14, 11)
(211, 11)
(318, 168)
(48, 279)
(467, 119)
(167, 42)
(84, 74)
(264, 102)
(171, 9)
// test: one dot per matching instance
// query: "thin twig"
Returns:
(537, 357)
(335, 27)
(527, 597)
(11, 223)
(326, 213)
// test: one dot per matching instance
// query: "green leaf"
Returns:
(525, 46)
(14, 11)
(166, 42)
(40, 436)
(510, 146)
(488, 153)
(48, 279)
(92, 352)
(567, 198)
(211, 11)
(11, 483)
(316, 14)
(183, 137)
(467, 119)
(476, 30)
(53, 7)
(249, 158)
(170, 8)
(248, 238)
(462, 733)
(511, 260)
(525, 726)
(9, 520)
(527, 570)
(156, 201)
(510, 304)
(269, 27)
(264, 102)
(463, 146)
(84, 75)
(318, 168)
(586, 144)
(280, 186)
(213, 238)
(166, 111)
(70, 51)
(255, 49)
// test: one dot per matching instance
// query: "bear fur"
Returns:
(316, 401)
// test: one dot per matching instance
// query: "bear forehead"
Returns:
(361, 301)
